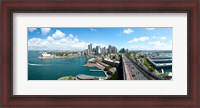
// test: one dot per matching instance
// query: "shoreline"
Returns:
(98, 66)
(55, 57)
(94, 65)
(66, 78)
(88, 65)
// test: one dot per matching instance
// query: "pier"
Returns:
(94, 70)
(160, 62)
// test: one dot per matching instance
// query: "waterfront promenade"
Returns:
(95, 65)
(98, 66)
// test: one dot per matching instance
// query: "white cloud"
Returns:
(63, 40)
(32, 29)
(144, 38)
(58, 34)
(57, 43)
(157, 45)
(128, 31)
(139, 48)
(163, 38)
(70, 42)
(76, 39)
(150, 29)
(45, 30)
(68, 39)
(37, 42)
(170, 42)
(49, 38)
(71, 35)
(66, 43)
(92, 29)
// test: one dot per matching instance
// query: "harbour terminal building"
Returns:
(160, 63)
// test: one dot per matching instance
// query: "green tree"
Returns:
(151, 69)
(115, 76)
(70, 78)
(146, 63)
(107, 68)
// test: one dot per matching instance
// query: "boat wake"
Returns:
(38, 64)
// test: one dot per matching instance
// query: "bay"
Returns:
(52, 69)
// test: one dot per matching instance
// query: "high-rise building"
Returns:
(93, 49)
(112, 49)
(126, 51)
(98, 51)
(89, 48)
(86, 51)
(109, 49)
(122, 50)
(103, 51)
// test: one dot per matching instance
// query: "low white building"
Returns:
(111, 62)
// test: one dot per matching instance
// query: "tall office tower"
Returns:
(109, 49)
(103, 51)
(89, 48)
(98, 51)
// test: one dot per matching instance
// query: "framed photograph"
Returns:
(100, 53)
(95, 53)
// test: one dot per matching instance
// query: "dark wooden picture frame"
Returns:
(191, 100)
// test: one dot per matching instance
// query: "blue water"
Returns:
(52, 69)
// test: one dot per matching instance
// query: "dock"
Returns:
(94, 70)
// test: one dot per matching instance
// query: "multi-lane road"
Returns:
(131, 72)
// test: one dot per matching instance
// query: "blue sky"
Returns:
(75, 39)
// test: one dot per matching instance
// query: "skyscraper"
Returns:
(98, 51)
(103, 51)
(109, 49)
(112, 49)
(122, 50)
(89, 48)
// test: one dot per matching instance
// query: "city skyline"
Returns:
(78, 39)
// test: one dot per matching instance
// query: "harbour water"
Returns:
(52, 69)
